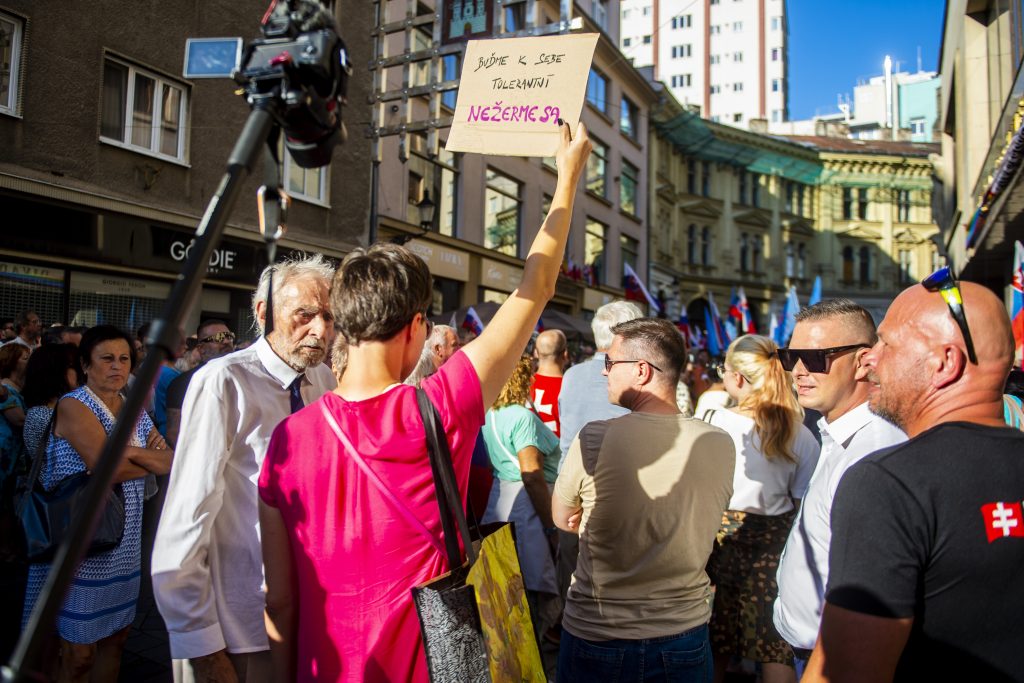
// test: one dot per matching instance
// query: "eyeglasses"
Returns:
(942, 281)
(219, 338)
(609, 363)
(815, 360)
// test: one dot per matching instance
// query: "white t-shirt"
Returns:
(760, 485)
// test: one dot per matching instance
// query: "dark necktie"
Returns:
(295, 395)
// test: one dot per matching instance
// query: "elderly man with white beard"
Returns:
(207, 562)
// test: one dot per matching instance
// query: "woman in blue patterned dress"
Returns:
(100, 607)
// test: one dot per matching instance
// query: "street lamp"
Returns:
(426, 208)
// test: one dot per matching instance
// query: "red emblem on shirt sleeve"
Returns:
(1003, 520)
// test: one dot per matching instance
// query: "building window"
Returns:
(310, 184)
(776, 84)
(716, 59)
(847, 203)
(629, 118)
(628, 182)
(450, 72)
(715, 29)
(737, 56)
(776, 53)
(448, 162)
(758, 247)
(789, 259)
(681, 81)
(755, 189)
(705, 178)
(862, 204)
(705, 246)
(691, 244)
(597, 91)
(848, 265)
(776, 115)
(597, 168)
(691, 176)
(515, 16)
(630, 250)
(502, 208)
(679, 51)
(737, 118)
(682, 21)
(917, 125)
(143, 111)
(903, 206)
(600, 13)
(800, 200)
(715, 89)
(906, 267)
(647, 40)
(626, 42)
(744, 185)
(790, 193)
(647, 11)
(737, 26)
(737, 87)
(776, 23)
(801, 263)
(865, 266)
(11, 30)
(594, 245)
(744, 253)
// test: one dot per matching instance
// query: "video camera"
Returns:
(301, 60)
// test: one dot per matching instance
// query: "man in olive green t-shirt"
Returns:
(645, 492)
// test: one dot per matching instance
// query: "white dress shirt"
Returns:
(803, 569)
(207, 564)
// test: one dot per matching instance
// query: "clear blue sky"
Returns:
(834, 43)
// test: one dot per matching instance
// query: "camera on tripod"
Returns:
(301, 62)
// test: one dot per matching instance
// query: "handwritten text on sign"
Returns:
(513, 91)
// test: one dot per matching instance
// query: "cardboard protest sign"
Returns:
(514, 90)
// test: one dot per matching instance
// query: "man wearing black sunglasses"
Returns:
(928, 536)
(825, 356)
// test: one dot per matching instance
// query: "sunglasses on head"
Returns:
(815, 360)
(218, 338)
(942, 281)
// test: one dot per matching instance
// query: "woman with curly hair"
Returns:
(775, 458)
(524, 454)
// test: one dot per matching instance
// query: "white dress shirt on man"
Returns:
(207, 565)
(803, 569)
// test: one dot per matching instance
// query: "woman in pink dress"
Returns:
(348, 516)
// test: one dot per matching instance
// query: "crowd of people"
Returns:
(293, 503)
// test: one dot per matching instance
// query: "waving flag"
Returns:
(714, 340)
(716, 330)
(1017, 304)
(746, 322)
(473, 323)
(734, 308)
(773, 326)
(816, 291)
(785, 329)
(636, 290)
(684, 328)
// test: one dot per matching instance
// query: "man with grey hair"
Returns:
(207, 564)
(441, 345)
(825, 356)
(584, 397)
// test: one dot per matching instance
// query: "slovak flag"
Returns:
(636, 290)
(746, 322)
(684, 327)
(539, 327)
(1003, 520)
(473, 323)
(1017, 303)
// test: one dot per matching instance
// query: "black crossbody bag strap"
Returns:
(445, 486)
(40, 455)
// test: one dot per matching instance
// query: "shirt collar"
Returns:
(279, 370)
(849, 424)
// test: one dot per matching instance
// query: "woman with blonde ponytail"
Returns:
(775, 457)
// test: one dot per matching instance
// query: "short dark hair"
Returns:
(21, 319)
(659, 341)
(142, 332)
(10, 354)
(210, 321)
(99, 334)
(859, 317)
(377, 291)
(46, 377)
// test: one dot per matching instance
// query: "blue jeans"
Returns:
(682, 658)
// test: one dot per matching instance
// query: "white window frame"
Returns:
(323, 196)
(183, 112)
(11, 105)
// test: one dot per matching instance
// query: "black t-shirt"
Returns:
(932, 529)
(177, 388)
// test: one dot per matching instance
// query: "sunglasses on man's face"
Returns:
(815, 360)
(219, 338)
(942, 281)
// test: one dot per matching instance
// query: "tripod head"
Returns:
(302, 64)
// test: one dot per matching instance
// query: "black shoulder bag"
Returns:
(46, 515)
